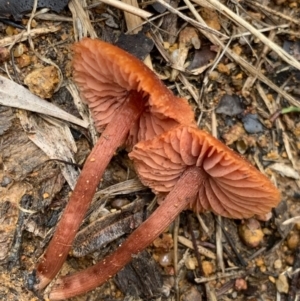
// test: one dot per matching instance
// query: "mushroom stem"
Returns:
(113, 136)
(184, 192)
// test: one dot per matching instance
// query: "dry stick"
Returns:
(20, 37)
(127, 7)
(176, 201)
(203, 251)
(112, 137)
(175, 255)
(175, 240)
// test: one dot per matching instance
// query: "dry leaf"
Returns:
(16, 96)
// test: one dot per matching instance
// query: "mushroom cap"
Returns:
(105, 74)
(231, 187)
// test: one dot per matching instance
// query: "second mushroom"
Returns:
(191, 169)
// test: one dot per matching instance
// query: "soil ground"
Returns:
(231, 66)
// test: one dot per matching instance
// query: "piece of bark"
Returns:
(170, 24)
(108, 228)
(141, 278)
(23, 170)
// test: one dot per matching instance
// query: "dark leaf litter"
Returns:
(17, 8)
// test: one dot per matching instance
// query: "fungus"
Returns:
(123, 96)
(198, 172)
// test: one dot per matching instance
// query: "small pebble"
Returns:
(223, 69)
(24, 60)
(234, 295)
(214, 75)
(191, 263)
(263, 268)
(10, 31)
(5, 181)
(42, 81)
(267, 231)
(259, 262)
(240, 284)
(293, 240)
(164, 243)
(229, 105)
(251, 233)
(207, 268)
(272, 279)
(251, 124)
(166, 259)
(278, 264)
(282, 284)
(4, 54)
(19, 50)
(46, 195)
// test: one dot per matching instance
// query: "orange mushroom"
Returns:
(197, 171)
(124, 96)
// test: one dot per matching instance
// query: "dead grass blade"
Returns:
(16, 96)
(129, 7)
(125, 187)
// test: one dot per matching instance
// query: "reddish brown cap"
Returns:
(231, 186)
(105, 74)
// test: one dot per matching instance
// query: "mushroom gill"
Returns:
(231, 186)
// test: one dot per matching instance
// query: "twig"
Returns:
(125, 7)
(203, 251)
(197, 254)
(219, 244)
(232, 274)
(175, 240)
(292, 220)
(24, 35)
(248, 33)
(232, 245)
(201, 222)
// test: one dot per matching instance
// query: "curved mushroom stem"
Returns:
(113, 136)
(177, 200)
